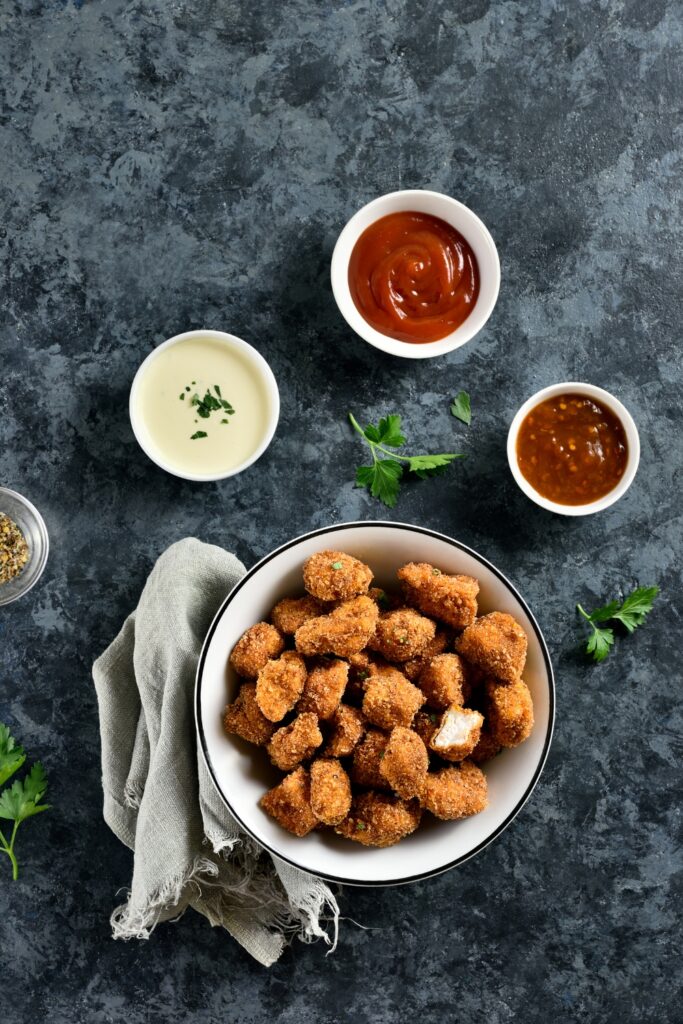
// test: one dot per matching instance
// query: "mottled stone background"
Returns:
(185, 163)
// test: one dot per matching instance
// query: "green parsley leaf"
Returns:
(181, 396)
(460, 407)
(631, 613)
(23, 798)
(217, 390)
(12, 756)
(383, 478)
(197, 434)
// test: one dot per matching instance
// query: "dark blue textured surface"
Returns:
(168, 165)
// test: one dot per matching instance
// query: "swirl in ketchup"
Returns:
(413, 277)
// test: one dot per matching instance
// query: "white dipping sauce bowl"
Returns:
(242, 773)
(458, 216)
(261, 369)
(603, 398)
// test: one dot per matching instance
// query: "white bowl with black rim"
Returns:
(242, 772)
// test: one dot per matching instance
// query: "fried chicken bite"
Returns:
(402, 634)
(291, 612)
(443, 681)
(345, 631)
(405, 763)
(378, 819)
(367, 757)
(295, 742)
(336, 576)
(497, 644)
(390, 699)
(290, 803)
(279, 685)
(324, 688)
(455, 792)
(457, 734)
(486, 748)
(451, 599)
(330, 791)
(347, 728)
(244, 717)
(414, 666)
(254, 648)
(510, 712)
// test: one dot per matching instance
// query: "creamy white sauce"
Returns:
(169, 421)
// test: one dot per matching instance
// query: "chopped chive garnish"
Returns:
(198, 433)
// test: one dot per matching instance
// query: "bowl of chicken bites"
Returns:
(374, 703)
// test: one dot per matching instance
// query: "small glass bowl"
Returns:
(30, 522)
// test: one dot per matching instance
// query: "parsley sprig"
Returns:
(631, 613)
(383, 477)
(461, 408)
(23, 798)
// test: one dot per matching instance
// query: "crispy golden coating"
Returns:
(405, 763)
(455, 792)
(336, 576)
(497, 644)
(254, 648)
(425, 725)
(330, 791)
(291, 612)
(367, 758)
(279, 685)
(458, 733)
(244, 717)
(486, 748)
(295, 742)
(451, 599)
(377, 819)
(510, 712)
(390, 699)
(442, 681)
(290, 803)
(385, 600)
(347, 727)
(402, 634)
(345, 631)
(324, 688)
(414, 666)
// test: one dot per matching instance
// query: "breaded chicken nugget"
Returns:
(244, 717)
(295, 742)
(405, 763)
(510, 712)
(347, 728)
(324, 688)
(402, 634)
(438, 645)
(290, 803)
(455, 792)
(291, 612)
(280, 684)
(336, 576)
(390, 699)
(486, 748)
(377, 819)
(497, 644)
(343, 632)
(452, 599)
(425, 725)
(367, 757)
(458, 733)
(254, 648)
(330, 791)
(442, 681)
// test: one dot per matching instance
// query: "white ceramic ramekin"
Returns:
(464, 221)
(611, 403)
(259, 365)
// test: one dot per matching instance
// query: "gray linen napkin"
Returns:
(158, 796)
